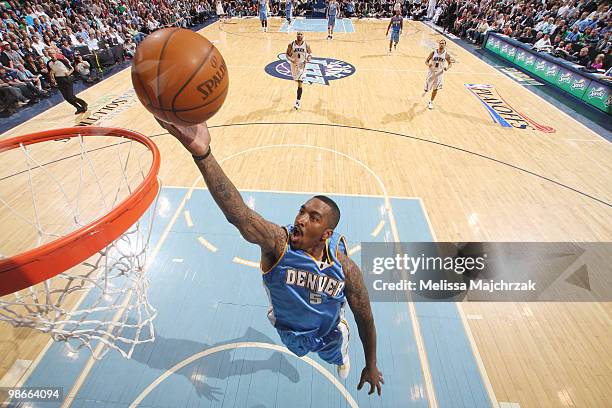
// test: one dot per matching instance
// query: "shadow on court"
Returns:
(166, 352)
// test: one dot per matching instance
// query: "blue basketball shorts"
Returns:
(331, 21)
(395, 35)
(333, 347)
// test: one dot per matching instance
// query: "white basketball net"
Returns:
(102, 303)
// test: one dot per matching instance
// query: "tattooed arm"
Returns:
(358, 300)
(253, 227)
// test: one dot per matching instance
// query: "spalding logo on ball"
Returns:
(179, 76)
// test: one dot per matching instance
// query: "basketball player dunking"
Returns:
(262, 8)
(332, 13)
(307, 273)
(396, 25)
(435, 76)
(298, 54)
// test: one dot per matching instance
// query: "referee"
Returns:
(60, 72)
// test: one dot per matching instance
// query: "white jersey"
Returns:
(438, 61)
(299, 52)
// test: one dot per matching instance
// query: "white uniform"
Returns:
(298, 54)
(435, 76)
(220, 11)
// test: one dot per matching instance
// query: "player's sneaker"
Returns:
(344, 369)
(297, 105)
(430, 105)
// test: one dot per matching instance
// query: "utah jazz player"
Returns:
(436, 61)
(332, 13)
(298, 54)
(306, 270)
(396, 25)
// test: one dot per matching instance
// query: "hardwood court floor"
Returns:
(478, 181)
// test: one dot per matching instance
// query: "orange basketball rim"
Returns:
(48, 260)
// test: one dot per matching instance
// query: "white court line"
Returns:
(378, 228)
(329, 376)
(69, 398)
(16, 372)
(468, 331)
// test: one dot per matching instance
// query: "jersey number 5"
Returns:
(315, 298)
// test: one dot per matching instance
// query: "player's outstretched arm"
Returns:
(252, 226)
(429, 58)
(359, 302)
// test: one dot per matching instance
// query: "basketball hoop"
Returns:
(78, 274)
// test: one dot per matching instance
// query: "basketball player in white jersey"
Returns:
(298, 54)
(436, 61)
(220, 11)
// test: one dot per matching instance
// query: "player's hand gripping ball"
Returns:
(179, 76)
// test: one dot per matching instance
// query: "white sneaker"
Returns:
(344, 369)
(297, 104)
(430, 105)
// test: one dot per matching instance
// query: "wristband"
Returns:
(200, 158)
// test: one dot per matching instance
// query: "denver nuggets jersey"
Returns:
(438, 60)
(262, 6)
(331, 13)
(307, 297)
(396, 23)
(299, 51)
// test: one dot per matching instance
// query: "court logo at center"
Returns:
(318, 70)
(501, 112)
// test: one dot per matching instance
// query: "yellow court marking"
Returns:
(246, 262)
(207, 244)
(188, 219)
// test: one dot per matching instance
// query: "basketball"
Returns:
(179, 76)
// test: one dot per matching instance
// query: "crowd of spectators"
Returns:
(577, 31)
(89, 35)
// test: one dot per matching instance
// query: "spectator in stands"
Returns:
(574, 35)
(27, 89)
(543, 44)
(26, 76)
(10, 56)
(598, 63)
(84, 71)
(584, 22)
(583, 57)
(66, 50)
(528, 36)
(10, 97)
